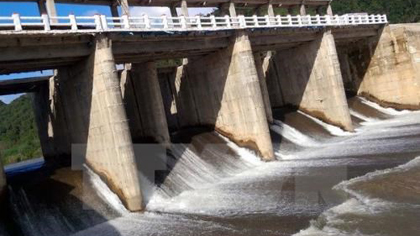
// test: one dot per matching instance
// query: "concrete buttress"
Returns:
(386, 68)
(223, 90)
(144, 104)
(309, 77)
(264, 90)
(92, 90)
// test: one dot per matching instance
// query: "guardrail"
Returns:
(165, 23)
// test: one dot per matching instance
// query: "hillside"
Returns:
(398, 11)
(18, 134)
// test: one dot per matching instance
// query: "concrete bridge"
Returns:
(237, 69)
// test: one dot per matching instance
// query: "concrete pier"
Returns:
(223, 90)
(263, 84)
(41, 107)
(143, 100)
(167, 78)
(101, 121)
(386, 68)
(308, 77)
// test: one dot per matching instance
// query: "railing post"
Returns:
(242, 22)
(278, 17)
(46, 22)
(98, 23)
(183, 22)
(126, 21)
(318, 20)
(227, 19)
(309, 19)
(213, 21)
(104, 22)
(299, 19)
(165, 22)
(16, 21)
(73, 22)
(146, 21)
(198, 18)
(328, 20)
(267, 19)
(385, 18)
(255, 18)
(289, 20)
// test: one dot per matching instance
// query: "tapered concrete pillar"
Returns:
(51, 123)
(114, 10)
(72, 87)
(302, 10)
(144, 104)
(184, 8)
(41, 107)
(270, 10)
(386, 68)
(102, 124)
(329, 10)
(263, 85)
(232, 9)
(109, 146)
(173, 11)
(310, 79)
(125, 8)
(224, 91)
(48, 7)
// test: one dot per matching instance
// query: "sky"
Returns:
(31, 9)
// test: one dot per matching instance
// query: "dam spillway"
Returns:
(241, 91)
(217, 194)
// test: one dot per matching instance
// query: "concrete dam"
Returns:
(266, 86)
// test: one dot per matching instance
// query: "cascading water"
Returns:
(213, 187)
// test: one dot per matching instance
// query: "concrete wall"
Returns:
(385, 69)
(92, 95)
(144, 105)
(223, 90)
(309, 77)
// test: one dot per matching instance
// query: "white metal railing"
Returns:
(165, 23)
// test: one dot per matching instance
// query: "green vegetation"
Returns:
(398, 11)
(18, 133)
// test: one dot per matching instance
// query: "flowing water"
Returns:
(326, 182)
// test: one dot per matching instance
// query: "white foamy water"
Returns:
(223, 189)
(362, 117)
(103, 191)
(389, 111)
(195, 172)
(347, 219)
(293, 135)
(334, 130)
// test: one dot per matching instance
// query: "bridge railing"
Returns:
(164, 23)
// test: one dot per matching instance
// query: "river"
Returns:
(326, 182)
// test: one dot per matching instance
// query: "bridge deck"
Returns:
(26, 85)
(39, 47)
(192, 3)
